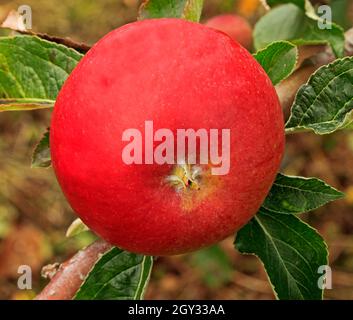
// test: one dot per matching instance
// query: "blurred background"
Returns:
(34, 215)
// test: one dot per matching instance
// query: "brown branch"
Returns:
(78, 46)
(11, 23)
(71, 273)
(288, 88)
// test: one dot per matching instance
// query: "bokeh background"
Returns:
(34, 214)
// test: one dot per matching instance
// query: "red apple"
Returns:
(174, 75)
(235, 26)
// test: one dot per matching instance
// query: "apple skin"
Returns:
(235, 26)
(180, 75)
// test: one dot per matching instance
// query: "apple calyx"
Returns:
(185, 177)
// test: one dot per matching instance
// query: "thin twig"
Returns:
(71, 273)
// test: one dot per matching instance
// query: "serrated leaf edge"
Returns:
(308, 83)
(267, 274)
(339, 195)
(280, 42)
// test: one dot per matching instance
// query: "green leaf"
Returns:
(349, 125)
(304, 5)
(292, 195)
(118, 275)
(289, 22)
(32, 71)
(76, 227)
(290, 250)
(5, 32)
(184, 9)
(324, 104)
(20, 104)
(278, 60)
(66, 42)
(340, 12)
(41, 156)
(299, 3)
